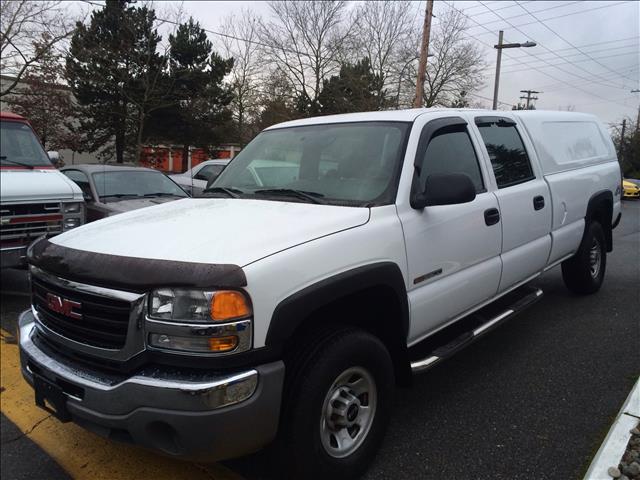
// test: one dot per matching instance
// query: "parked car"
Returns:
(109, 190)
(630, 189)
(35, 198)
(266, 172)
(195, 180)
(292, 308)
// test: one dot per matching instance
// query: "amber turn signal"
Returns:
(228, 304)
(223, 344)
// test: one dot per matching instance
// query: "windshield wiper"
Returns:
(120, 195)
(230, 191)
(313, 197)
(4, 158)
(161, 194)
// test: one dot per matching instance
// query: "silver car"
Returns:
(195, 180)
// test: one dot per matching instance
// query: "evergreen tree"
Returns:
(199, 113)
(106, 67)
(353, 90)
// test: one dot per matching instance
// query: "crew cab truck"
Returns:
(35, 199)
(290, 310)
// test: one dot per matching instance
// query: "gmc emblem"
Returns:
(64, 306)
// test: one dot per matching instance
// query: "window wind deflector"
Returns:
(498, 121)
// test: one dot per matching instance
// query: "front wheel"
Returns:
(584, 272)
(337, 405)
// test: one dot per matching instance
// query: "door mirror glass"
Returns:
(445, 189)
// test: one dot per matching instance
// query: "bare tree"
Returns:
(381, 30)
(242, 44)
(22, 21)
(304, 40)
(456, 65)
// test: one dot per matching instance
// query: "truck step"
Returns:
(465, 331)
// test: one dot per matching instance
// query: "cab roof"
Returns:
(12, 116)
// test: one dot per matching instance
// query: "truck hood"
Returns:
(212, 230)
(33, 185)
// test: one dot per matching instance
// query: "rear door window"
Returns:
(509, 159)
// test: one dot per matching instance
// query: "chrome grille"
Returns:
(104, 322)
(22, 223)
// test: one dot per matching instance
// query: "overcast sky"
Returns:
(595, 77)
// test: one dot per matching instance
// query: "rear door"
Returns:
(523, 196)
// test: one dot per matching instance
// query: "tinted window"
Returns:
(123, 183)
(81, 180)
(508, 156)
(19, 144)
(209, 173)
(451, 151)
(344, 164)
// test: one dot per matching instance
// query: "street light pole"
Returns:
(496, 84)
(500, 46)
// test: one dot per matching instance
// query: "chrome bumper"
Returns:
(197, 415)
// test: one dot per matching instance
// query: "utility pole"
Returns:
(424, 52)
(500, 46)
(624, 127)
(528, 98)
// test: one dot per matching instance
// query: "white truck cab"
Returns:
(35, 198)
(289, 308)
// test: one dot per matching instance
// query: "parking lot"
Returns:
(532, 400)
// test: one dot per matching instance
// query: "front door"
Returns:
(453, 251)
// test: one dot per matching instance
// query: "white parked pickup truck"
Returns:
(35, 198)
(289, 310)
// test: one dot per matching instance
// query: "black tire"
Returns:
(310, 377)
(578, 271)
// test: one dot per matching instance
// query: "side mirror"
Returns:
(87, 197)
(445, 189)
(53, 156)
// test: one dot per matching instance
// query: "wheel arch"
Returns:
(372, 297)
(600, 209)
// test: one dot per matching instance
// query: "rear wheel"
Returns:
(584, 272)
(337, 405)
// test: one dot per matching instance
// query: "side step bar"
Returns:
(479, 325)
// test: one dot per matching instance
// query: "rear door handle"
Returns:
(491, 216)
(538, 202)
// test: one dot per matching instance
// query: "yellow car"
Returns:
(630, 189)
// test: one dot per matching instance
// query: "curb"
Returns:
(614, 445)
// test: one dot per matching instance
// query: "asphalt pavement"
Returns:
(532, 400)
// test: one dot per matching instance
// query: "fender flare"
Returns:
(596, 202)
(291, 312)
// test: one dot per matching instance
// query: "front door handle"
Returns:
(491, 216)
(538, 202)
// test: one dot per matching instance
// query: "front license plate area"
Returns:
(51, 398)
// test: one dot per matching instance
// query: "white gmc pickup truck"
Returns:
(331, 259)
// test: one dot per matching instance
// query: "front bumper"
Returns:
(201, 416)
(13, 257)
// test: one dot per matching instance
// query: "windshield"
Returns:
(134, 184)
(355, 164)
(19, 146)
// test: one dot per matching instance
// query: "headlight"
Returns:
(200, 306)
(199, 321)
(71, 207)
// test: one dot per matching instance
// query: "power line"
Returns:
(542, 72)
(602, 50)
(564, 39)
(554, 53)
(575, 61)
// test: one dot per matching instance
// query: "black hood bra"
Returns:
(130, 273)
